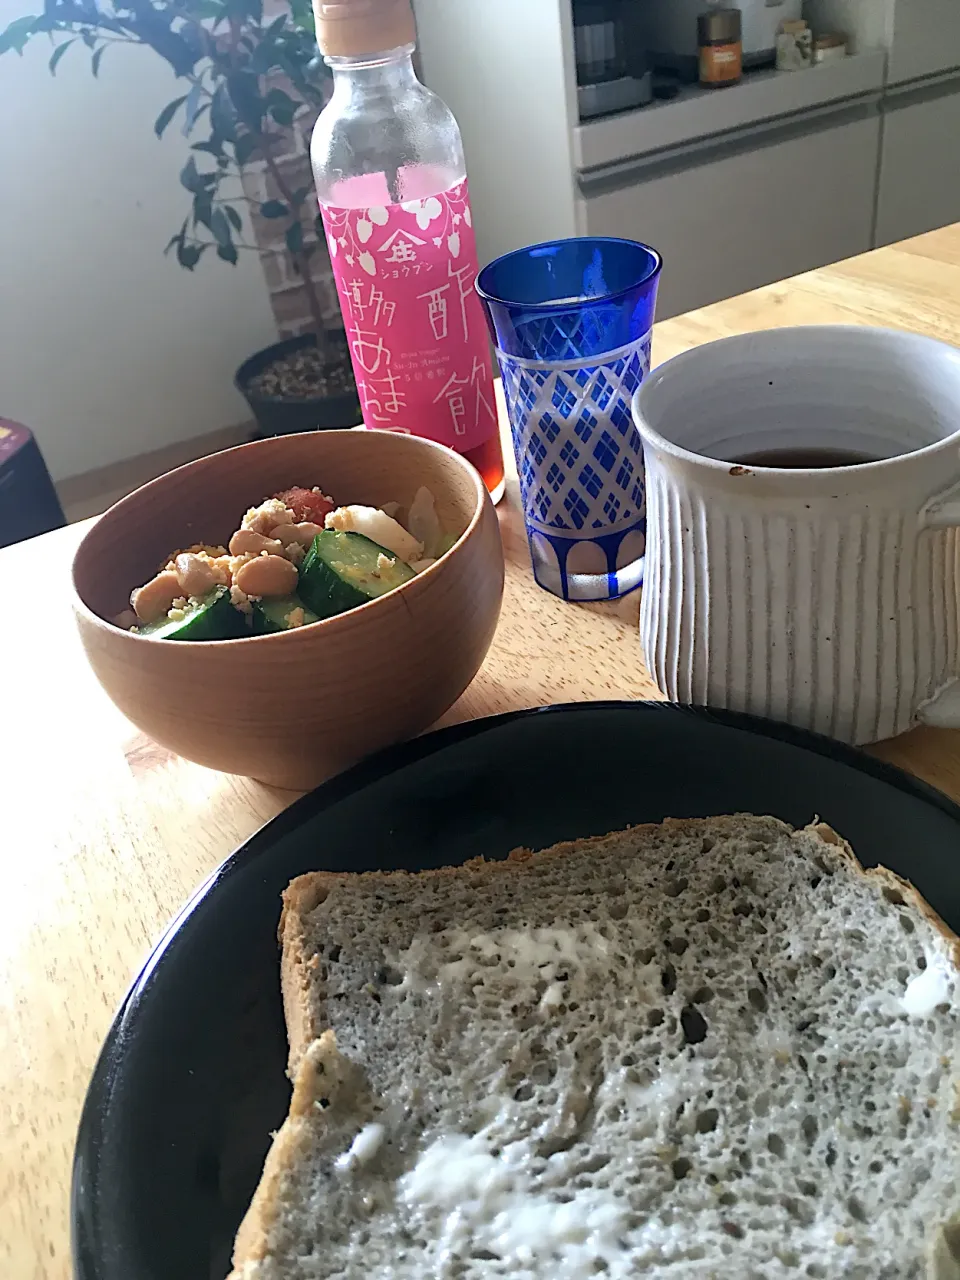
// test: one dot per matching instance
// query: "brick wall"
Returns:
(283, 279)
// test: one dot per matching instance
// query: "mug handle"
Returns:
(943, 510)
(942, 711)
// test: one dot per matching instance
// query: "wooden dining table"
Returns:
(105, 834)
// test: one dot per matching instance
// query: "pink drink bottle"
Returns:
(392, 185)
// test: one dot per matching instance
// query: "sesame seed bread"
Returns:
(706, 1050)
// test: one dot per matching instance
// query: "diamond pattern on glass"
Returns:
(567, 336)
(606, 451)
(585, 426)
(569, 453)
(591, 481)
(564, 398)
(621, 419)
(526, 392)
(527, 474)
(549, 427)
(579, 456)
(577, 508)
(603, 390)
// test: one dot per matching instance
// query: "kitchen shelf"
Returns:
(698, 113)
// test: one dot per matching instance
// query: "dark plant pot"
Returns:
(282, 415)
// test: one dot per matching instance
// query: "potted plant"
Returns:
(252, 80)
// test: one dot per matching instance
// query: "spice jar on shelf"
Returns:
(794, 46)
(721, 47)
(829, 47)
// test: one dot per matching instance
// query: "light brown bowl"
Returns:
(293, 708)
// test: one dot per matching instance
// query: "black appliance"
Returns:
(613, 72)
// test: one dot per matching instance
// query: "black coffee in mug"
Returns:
(805, 459)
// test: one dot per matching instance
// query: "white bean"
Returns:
(195, 575)
(154, 598)
(245, 541)
(267, 576)
(302, 534)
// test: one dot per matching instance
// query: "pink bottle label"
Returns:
(405, 276)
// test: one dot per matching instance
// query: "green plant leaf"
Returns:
(210, 147)
(178, 238)
(197, 183)
(191, 108)
(189, 176)
(202, 209)
(89, 38)
(244, 90)
(221, 228)
(283, 116)
(301, 12)
(298, 197)
(235, 220)
(16, 35)
(274, 209)
(95, 60)
(222, 115)
(228, 253)
(167, 114)
(188, 255)
(281, 107)
(57, 54)
(245, 147)
(152, 26)
(294, 238)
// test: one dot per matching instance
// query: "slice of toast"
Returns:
(710, 1048)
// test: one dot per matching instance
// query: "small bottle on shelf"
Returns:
(721, 47)
(392, 186)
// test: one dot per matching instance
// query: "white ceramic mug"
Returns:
(827, 598)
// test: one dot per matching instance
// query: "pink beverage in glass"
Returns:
(392, 187)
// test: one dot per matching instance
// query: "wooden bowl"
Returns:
(293, 708)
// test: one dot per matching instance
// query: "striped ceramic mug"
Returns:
(822, 595)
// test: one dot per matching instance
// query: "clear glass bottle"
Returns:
(391, 183)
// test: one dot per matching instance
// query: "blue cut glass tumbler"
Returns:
(572, 321)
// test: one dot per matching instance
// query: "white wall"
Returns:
(505, 68)
(107, 348)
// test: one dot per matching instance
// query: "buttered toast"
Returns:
(711, 1048)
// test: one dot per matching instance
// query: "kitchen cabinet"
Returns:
(919, 161)
(926, 38)
(776, 175)
(730, 217)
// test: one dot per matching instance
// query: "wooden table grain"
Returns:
(104, 834)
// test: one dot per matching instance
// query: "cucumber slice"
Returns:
(214, 618)
(270, 616)
(342, 570)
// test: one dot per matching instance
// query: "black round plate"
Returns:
(190, 1082)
